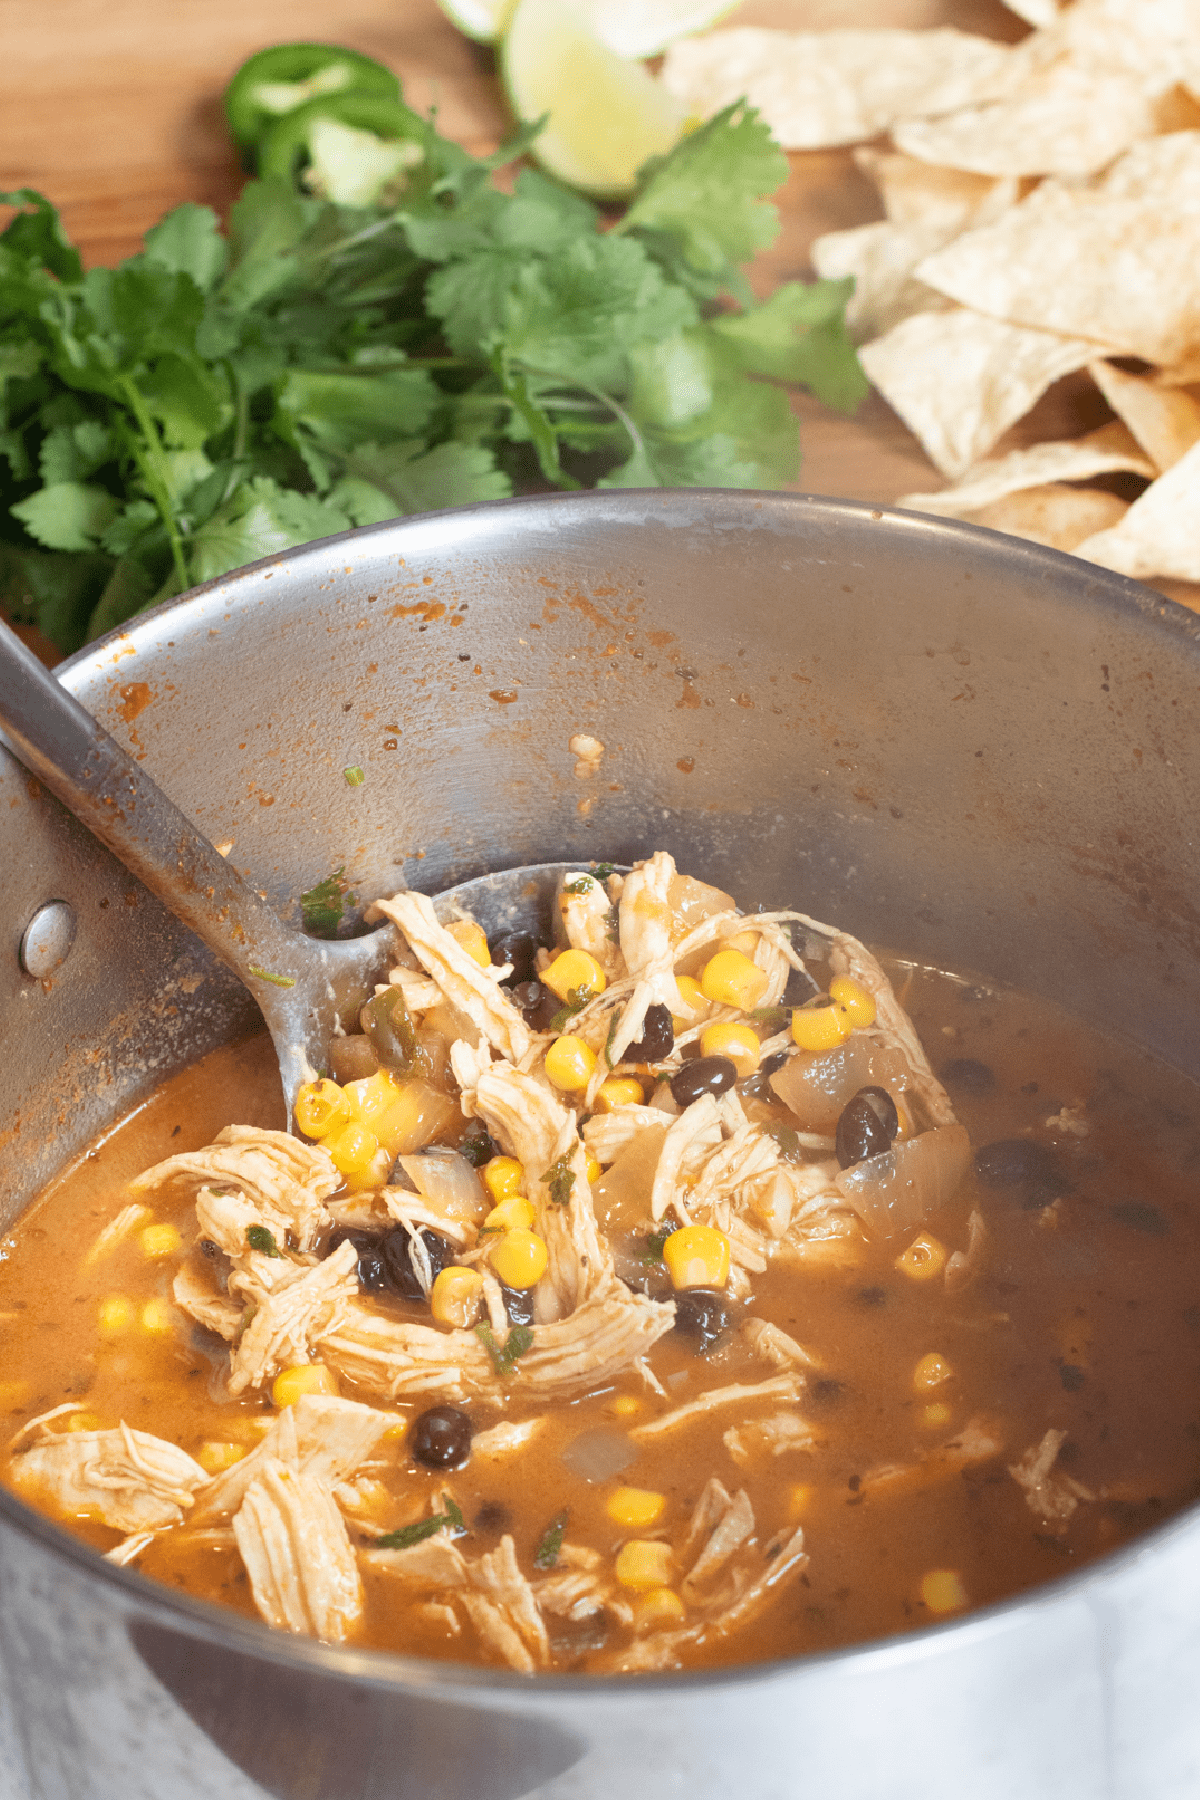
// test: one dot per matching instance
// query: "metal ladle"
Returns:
(307, 989)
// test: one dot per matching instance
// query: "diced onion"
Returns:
(622, 1194)
(448, 1184)
(818, 1087)
(598, 1454)
(901, 1188)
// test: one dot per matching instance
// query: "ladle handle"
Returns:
(60, 743)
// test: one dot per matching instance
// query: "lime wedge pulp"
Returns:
(630, 27)
(605, 116)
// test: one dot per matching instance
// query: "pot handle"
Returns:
(66, 749)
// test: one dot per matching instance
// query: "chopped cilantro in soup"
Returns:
(655, 1299)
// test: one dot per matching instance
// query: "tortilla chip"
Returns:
(1160, 534)
(1151, 41)
(1034, 12)
(1184, 374)
(1094, 261)
(818, 88)
(881, 258)
(1074, 124)
(918, 193)
(1164, 420)
(959, 379)
(1101, 452)
(1059, 517)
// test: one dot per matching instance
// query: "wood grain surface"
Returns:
(112, 108)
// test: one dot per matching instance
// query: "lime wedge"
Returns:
(604, 115)
(645, 27)
(483, 20)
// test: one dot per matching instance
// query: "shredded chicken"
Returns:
(285, 1179)
(193, 1292)
(298, 1555)
(587, 915)
(783, 1431)
(694, 1133)
(467, 987)
(127, 1479)
(503, 1439)
(644, 928)
(116, 1231)
(1050, 1494)
(606, 1134)
(773, 1345)
(321, 1435)
(964, 1266)
(289, 1320)
(720, 1525)
(491, 1590)
(777, 1387)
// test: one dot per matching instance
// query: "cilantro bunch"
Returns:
(220, 398)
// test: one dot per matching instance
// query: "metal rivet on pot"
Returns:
(46, 940)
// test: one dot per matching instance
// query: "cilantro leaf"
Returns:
(550, 1542)
(189, 241)
(55, 591)
(504, 1356)
(259, 519)
(36, 234)
(799, 335)
(321, 908)
(560, 1179)
(450, 1520)
(69, 515)
(448, 475)
(259, 1238)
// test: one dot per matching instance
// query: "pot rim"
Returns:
(1077, 583)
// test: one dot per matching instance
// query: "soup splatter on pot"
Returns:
(651, 1300)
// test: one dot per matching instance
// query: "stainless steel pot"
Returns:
(955, 743)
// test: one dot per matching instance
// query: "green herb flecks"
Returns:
(354, 776)
(550, 1542)
(504, 1356)
(560, 1179)
(788, 1141)
(608, 1042)
(773, 1016)
(321, 909)
(653, 1252)
(577, 999)
(582, 886)
(279, 981)
(259, 1238)
(224, 396)
(602, 871)
(451, 1520)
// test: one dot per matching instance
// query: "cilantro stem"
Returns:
(149, 463)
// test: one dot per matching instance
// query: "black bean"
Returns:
(867, 1126)
(209, 1249)
(372, 1276)
(772, 1064)
(517, 948)
(1139, 1215)
(518, 1304)
(704, 1075)
(1030, 1170)
(538, 1005)
(657, 1039)
(441, 1438)
(800, 989)
(702, 1314)
(402, 1278)
(968, 1076)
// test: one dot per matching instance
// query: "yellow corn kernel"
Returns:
(644, 1563)
(745, 941)
(302, 1378)
(375, 1175)
(820, 1027)
(158, 1316)
(371, 1096)
(321, 1107)
(854, 1001)
(512, 1212)
(800, 1499)
(931, 1372)
(217, 1457)
(397, 1430)
(503, 1176)
(594, 1171)
(619, 1090)
(352, 1148)
(114, 1315)
(692, 995)
(936, 1416)
(456, 1297)
(569, 1064)
(731, 979)
(519, 1258)
(625, 1406)
(697, 1256)
(635, 1508)
(83, 1421)
(161, 1240)
(471, 938)
(660, 1606)
(924, 1259)
(942, 1590)
(574, 974)
(740, 1043)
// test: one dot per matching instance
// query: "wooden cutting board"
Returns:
(112, 108)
